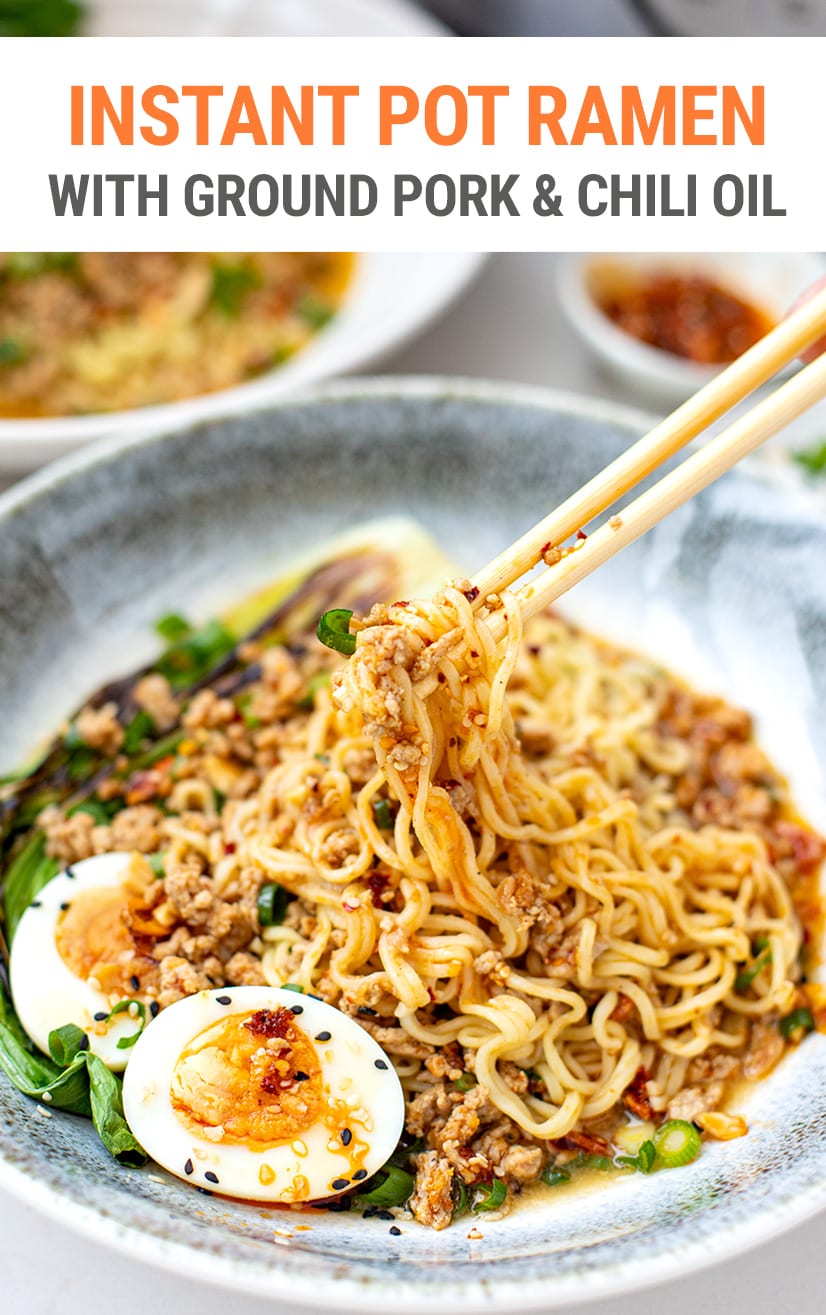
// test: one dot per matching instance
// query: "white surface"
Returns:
(509, 327)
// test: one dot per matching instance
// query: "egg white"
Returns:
(354, 1070)
(46, 993)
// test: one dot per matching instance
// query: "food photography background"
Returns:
(517, 322)
(510, 325)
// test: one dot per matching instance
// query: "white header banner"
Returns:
(415, 144)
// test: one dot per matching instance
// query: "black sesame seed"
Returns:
(384, 1214)
(370, 1212)
(210, 1176)
(223, 999)
(134, 982)
(64, 907)
(36, 904)
(83, 1044)
(301, 1077)
(379, 1063)
(316, 997)
(70, 873)
(359, 1174)
(365, 1009)
(204, 1191)
(189, 1168)
(340, 1183)
(296, 1009)
(101, 1018)
(397, 1232)
(154, 1008)
(340, 1206)
(323, 1036)
(346, 1136)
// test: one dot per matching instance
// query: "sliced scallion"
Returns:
(643, 1161)
(272, 904)
(676, 1142)
(466, 1082)
(334, 631)
(382, 814)
(491, 1196)
(796, 1024)
(132, 1007)
(393, 1189)
(553, 1177)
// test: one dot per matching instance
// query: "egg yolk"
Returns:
(94, 940)
(249, 1080)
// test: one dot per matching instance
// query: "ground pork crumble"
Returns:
(196, 932)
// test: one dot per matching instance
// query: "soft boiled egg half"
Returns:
(76, 955)
(263, 1093)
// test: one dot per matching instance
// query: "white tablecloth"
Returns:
(507, 327)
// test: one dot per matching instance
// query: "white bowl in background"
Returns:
(392, 297)
(767, 280)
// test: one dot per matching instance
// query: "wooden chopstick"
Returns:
(803, 327)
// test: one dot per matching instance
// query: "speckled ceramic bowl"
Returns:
(731, 591)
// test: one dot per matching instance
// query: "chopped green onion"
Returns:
(139, 729)
(796, 1024)
(334, 630)
(588, 1161)
(94, 808)
(73, 739)
(11, 352)
(231, 285)
(382, 814)
(272, 904)
(393, 1189)
(461, 1197)
(243, 703)
(492, 1196)
(553, 1177)
(320, 680)
(161, 749)
(124, 1007)
(195, 655)
(466, 1082)
(81, 762)
(676, 1143)
(156, 862)
(173, 627)
(643, 1161)
(314, 311)
(812, 459)
(763, 957)
(292, 986)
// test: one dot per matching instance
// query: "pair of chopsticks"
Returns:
(755, 367)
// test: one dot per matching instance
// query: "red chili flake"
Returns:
(580, 534)
(270, 1022)
(403, 602)
(807, 848)
(588, 1142)
(377, 884)
(473, 652)
(471, 594)
(230, 847)
(273, 1083)
(544, 548)
(441, 677)
(635, 1097)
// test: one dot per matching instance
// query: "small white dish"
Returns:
(769, 281)
(393, 297)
